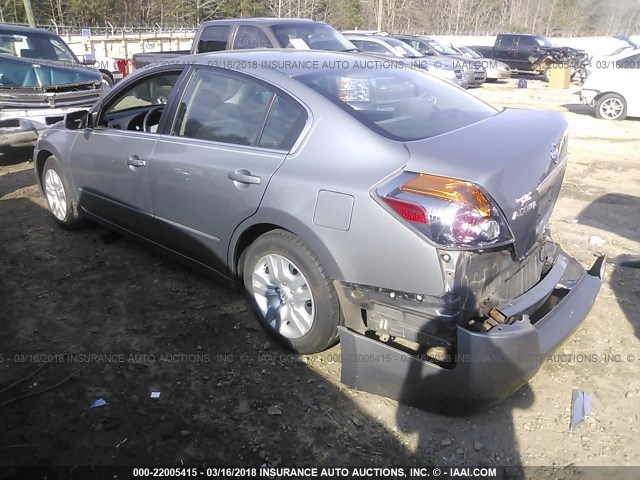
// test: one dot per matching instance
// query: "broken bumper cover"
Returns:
(588, 97)
(22, 127)
(488, 366)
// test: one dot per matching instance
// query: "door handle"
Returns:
(134, 161)
(244, 176)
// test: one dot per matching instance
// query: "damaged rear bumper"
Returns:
(488, 366)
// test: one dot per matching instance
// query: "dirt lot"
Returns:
(229, 397)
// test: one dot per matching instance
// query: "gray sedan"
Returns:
(352, 200)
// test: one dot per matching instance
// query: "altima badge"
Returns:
(554, 153)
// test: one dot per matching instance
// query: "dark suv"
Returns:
(533, 53)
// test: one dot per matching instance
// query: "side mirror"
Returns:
(76, 120)
(429, 51)
(88, 59)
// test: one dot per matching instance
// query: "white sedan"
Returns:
(611, 87)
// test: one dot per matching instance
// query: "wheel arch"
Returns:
(610, 92)
(106, 72)
(252, 228)
(39, 162)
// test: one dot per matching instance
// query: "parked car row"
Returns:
(250, 33)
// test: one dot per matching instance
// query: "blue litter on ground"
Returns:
(580, 407)
(99, 402)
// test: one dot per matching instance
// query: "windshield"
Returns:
(403, 49)
(42, 47)
(312, 36)
(544, 41)
(400, 104)
(469, 52)
(443, 49)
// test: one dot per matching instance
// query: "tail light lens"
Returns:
(452, 213)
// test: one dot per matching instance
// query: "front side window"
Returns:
(249, 36)
(213, 38)
(152, 91)
(400, 104)
(529, 42)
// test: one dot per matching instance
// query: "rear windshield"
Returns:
(312, 36)
(401, 104)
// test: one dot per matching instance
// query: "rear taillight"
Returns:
(409, 211)
(452, 213)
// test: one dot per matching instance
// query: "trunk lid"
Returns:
(517, 156)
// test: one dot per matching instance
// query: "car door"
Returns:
(527, 47)
(627, 78)
(211, 168)
(505, 50)
(110, 161)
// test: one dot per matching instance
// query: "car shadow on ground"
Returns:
(465, 435)
(582, 109)
(579, 108)
(13, 156)
(607, 213)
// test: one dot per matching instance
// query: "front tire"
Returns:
(107, 80)
(291, 293)
(61, 200)
(611, 106)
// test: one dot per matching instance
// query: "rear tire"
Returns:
(611, 106)
(290, 292)
(61, 198)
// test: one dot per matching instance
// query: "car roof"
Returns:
(4, 28)
(288, 61)
(262, 21)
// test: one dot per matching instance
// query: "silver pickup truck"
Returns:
(41, 80)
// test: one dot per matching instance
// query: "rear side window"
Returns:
(213, 38)
(400, 104)
(222, 108)
(283, 126)
(507, 41)
(249, 36)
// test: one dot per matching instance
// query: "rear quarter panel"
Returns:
(341, 155)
